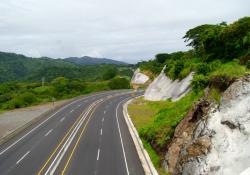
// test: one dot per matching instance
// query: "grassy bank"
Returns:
(156, 122)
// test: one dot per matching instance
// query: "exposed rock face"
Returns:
(139, 78)
(214, 141)
(186, 145)
(163, 88)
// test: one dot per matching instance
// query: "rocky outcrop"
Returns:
(163, 88)
(184, 146)
(214, 140)
(139, 78)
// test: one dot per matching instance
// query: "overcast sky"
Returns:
(128, 30)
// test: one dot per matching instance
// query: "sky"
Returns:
(125, 30)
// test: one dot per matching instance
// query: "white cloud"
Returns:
(131, 30)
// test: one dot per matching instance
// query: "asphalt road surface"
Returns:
(88, 136)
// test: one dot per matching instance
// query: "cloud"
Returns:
(128, 30)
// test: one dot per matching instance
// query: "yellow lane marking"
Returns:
(78, 140)
(41, 170)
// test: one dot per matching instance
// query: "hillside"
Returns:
(86, 60)
(220, 58)
(16, 67)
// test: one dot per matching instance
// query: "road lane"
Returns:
(93, 145)
(36, 141)
(102, 150)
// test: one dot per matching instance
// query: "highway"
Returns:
(88, 136)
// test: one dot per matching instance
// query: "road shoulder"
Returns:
(146, 162)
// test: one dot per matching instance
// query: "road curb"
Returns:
(146, 162)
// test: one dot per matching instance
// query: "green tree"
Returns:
(162, 57)
(119, 83)
(60, 85)
(110, 73)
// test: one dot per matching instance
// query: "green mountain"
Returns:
(86, 60)
(16, 67)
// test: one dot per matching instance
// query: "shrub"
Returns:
(119, 83)
(245, 59)
(179, 65)
(162, 57)
(221, 82)
(203, 69)
(248, 64)
(110, 73)
(28, 98)
(199, 82)
(14, 103)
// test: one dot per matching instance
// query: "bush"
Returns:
(248, 64)
(221, 82)
(179, 65)
(162, 57)
(245, 59)
(110, 73)
(14, 103)
(199, 82)
(119, 83)
(28, 98)
(203, 69)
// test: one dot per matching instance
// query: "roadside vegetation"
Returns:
(156, 122)
(18, 94)
(220, 55)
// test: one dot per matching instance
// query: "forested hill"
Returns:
(86, 60)
(15, 67)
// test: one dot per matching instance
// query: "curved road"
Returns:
(88, 136)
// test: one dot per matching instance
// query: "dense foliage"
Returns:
(26, 81)
(20, 68)
(215, 48)
(22, 94)
(221, 41)
(119, 83)
(220, 53)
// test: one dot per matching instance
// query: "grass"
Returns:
(231, 69)
(142, 112)
(156, 122)
(215, 94)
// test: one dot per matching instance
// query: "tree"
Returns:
(60, 85)
(110, 73)
(119, 83)
(220, 41)
(162, 57)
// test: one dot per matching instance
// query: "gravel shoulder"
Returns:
(17, 118)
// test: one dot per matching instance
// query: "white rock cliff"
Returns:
(230, 143)
(163, 88)
(139, 78)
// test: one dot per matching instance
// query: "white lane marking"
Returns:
(48, 132)
(22, 157)
(103, 119)
(53, 166)
(104, 112)
(71, 110)
(44, 122)
(61, 120)
(98, 154)
(101, 132)
(124, 154)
